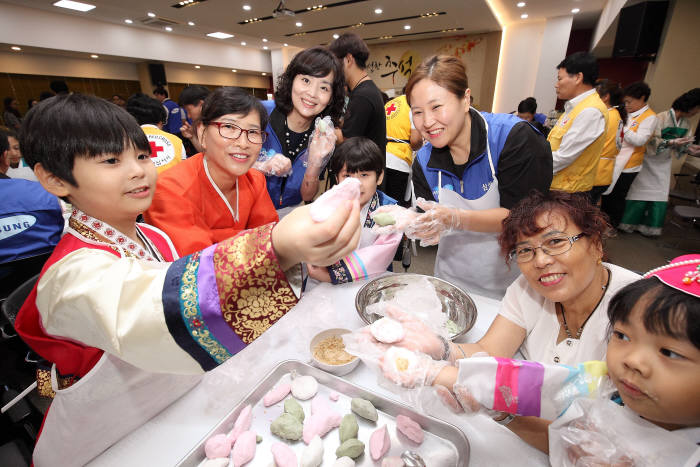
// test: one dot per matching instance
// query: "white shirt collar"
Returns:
(571, 103)
(639, 112)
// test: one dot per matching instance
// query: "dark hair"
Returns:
(146, 110)
(161, 91)
(231, 100)
(350, 43)
(581, 62)
(527, 105)
(59, 87)
(522, 218)
(687, 101)
(448, 72)
(56, 131)
(605, 87)
(29, 103)
(4, 141)
(667, 310)
(316, 62)
(8, 102)
(192, 94)
(45, 95)
(357, 154)
(638, 90)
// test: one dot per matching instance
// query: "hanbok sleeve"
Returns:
(183, 317)
(366, 262)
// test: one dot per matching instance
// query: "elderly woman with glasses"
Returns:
(213, 195)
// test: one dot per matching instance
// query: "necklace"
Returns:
(292, 152)
(359, 81)
(580, 330)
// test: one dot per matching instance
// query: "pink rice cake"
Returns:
(276, 394)
(410, 428)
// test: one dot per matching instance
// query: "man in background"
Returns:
(191, 99)
(175, 116)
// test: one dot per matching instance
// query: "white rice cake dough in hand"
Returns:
(387, 330)
(328, 202)
(400, 360)
(304, 387)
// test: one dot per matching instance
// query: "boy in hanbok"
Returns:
(359, 157)
(127, 326)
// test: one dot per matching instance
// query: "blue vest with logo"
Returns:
(477, 177)
(291, 194)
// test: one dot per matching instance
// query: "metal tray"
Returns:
(444, 445)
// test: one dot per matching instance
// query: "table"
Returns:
(168, 436)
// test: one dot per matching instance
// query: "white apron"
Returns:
(108, 403)
(472, 260)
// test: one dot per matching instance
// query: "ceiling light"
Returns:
(151, 15)
(197, 67)
(94, 56)
(335, 36)
(128, 21)
(235, 71)
(521, 4)
(190, 23)
(220, 35)
(575, 10)
(168, 28)
(298, 24)
(265, 47)
(264, 40)
(71, 5)
(524, 16)
(246, 7)
(378, 11)
(407, 26)
(264, 74)
(285, 44)
(244, 43)
(15, 48)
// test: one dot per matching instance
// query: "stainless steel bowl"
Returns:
(456, 303)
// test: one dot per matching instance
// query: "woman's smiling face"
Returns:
(438, 114)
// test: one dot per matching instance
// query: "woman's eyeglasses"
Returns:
(552, 246)
(231, 131)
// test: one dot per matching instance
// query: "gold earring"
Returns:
(600, 261)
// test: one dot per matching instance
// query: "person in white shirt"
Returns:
(640, 125)
(578, 137)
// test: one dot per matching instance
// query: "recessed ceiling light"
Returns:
(190, 23)
(407, 26)
(265, 47)
(244, 43)
(285, 44)
(378, 11)
(71, 5)
(298, 24)
(94, 56)
(235, 71)
(220, 35)
(197, 67)
(15, 48)
(524, 16)
(335, 36)
(168, 28)
(264, 74)
(264, 40)
(246, 7)
(128, 21)
(575, 10)
(151, 15)
(521, 4)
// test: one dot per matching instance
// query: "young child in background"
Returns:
(127, 325)
(360, 158)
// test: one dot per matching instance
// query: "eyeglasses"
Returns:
(552, 246)
(231, 131)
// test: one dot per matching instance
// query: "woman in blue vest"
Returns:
(474, 167)
(313, 85)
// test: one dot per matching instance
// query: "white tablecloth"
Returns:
(167, 437)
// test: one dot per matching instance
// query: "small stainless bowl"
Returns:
(458, 305)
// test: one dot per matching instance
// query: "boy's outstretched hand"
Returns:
(298, 238)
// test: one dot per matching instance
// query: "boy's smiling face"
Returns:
(657, 375)
(368, 180)
(113, 188)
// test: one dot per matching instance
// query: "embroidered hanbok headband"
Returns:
(682, 273)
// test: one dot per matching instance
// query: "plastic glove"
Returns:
(693, 149)
(403, 218)
(438, 220)
(409, 369)
(271, 163)
(677, 142)
(321, 146)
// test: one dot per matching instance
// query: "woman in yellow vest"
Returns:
(611, 95)
(402, 139)
(640, 125)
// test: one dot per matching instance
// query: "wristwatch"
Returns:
(446, 344)
(504, 420)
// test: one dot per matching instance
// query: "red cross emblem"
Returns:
(392, 108)
(154, 148)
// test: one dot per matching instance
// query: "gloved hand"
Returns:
(694, 150)
(276, 164)
(321, 146)
(438, 220)
(677, 142)
(409, 369)
(419, 337)
(403, 218)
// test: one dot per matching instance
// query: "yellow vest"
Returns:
(637, 156)
(610, 149)
(580, 175)
(166, 148)
(398, 126)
